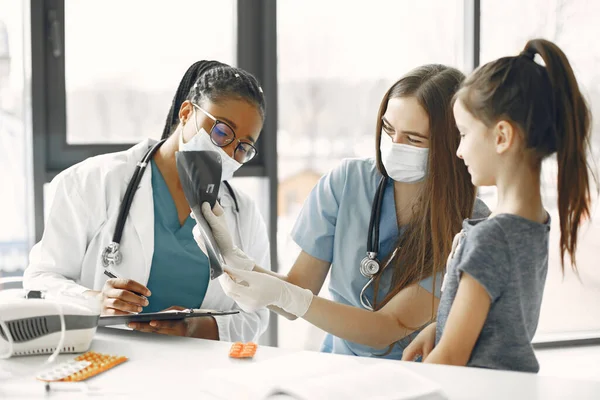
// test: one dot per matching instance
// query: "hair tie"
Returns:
(528, 53)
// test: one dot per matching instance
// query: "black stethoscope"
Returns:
(111, 255)
(370, 265)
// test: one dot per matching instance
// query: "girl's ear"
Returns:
(504, 136)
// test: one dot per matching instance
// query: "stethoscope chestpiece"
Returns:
(369, 266)
(111, 255)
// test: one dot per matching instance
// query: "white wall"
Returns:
(571, 362)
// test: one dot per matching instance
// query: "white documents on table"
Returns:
(317, 376)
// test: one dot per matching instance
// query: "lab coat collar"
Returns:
(135, 154)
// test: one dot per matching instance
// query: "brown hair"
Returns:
(545, 103)
(447, 196)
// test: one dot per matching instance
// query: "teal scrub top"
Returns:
(179, 274)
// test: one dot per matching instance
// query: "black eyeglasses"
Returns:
(221, 134)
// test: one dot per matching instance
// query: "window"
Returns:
(15, 163)
(332, 78)
(257, 187)
(124, 60)
(571, 24)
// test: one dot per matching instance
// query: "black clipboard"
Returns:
(109, 320)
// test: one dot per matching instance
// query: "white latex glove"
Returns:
(234, 257)
(253, 290)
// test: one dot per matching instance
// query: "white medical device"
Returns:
(35, 324)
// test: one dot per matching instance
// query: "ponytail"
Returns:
(572, 120)
(547, 105)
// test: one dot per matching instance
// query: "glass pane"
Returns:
(16, 203)
(332, 78)
(258, 190)
(121, 78)
(567, 302)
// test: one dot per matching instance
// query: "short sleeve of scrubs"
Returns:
(314, 230)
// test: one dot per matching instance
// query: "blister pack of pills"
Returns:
(83, 367)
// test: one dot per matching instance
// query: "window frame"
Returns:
(256, 51)
(52, 152)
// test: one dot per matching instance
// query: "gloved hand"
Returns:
(253, 290)
(234, 257)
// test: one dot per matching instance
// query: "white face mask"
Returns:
(201, 141)
(403, 163)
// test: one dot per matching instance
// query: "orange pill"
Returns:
(241, 350)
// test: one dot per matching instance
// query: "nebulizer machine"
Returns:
(43, 322)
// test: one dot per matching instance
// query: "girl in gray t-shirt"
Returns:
(511, 114)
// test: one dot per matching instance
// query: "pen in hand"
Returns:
(111, 275)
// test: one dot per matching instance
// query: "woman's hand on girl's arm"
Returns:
(421, 345)
(463, 326)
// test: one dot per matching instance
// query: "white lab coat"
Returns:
(83, 204)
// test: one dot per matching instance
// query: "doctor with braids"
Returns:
(125, 215)
(381, 227)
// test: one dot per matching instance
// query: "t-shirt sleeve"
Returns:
(314, 230)
(486, 257)
(480, 209)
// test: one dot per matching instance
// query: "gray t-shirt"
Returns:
(508, 256)
(480, 211)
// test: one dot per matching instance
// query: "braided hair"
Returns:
(214, 81)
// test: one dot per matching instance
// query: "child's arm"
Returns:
(465, 321)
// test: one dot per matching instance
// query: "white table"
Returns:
(155, 360)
